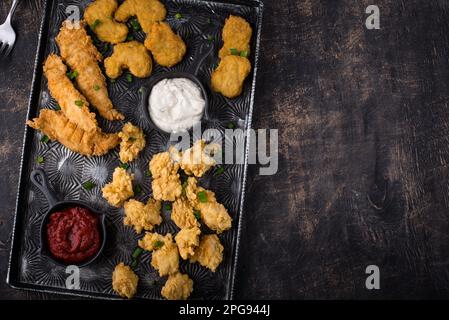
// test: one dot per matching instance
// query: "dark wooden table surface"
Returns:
(364, 150)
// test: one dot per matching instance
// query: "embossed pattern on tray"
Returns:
(68, 170)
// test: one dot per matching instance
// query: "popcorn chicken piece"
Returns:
(209, 253)
(167, 188)
(230, 75)
(166, 258)
(162, 165)
(182, 214)
(153, 241)
(132, 142)
(197, 160)
(142, 216)
(98, 16)
(167, 47)
(147, 12)
(124, 281)
(236, 35)
(187, 241)
(178, 287)
(120, 189)
(130, 55)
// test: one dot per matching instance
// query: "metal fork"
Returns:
(7, 34)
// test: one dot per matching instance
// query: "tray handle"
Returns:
(39, 179)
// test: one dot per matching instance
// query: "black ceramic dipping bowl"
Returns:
(204, 51)
(39, 179)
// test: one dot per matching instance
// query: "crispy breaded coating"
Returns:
(230, 75)
(161, 164)
(98, 16)
(209, 253)
(130, 55)
(166, 182)
(56, 126)
(73, 104)
(132, 142)
(182, 214)
(178, 287)
(79, 53)
(236, 35)
(187, 240)
(124, 281)
(165, 257)
(142, 216)
(120, 189)
(166, 46)
(197, 160)
(146, 11)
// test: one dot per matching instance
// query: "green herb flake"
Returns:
(244, 54)
(209, 21)
(129, 77)
(45, 139)
(137, 189)
(202, 196)
(158, 244)
(197, 215)
(231, 125)
(148, 173)
(57, 107)
(79, 103)
(137, 252)
(234, 51)
(105, 49)
(95, 24)
(134, 264)
(112, 80)
(135, 24)
(219, 171)
(96, 87)
(124, 166)
(210, 38)
(40, 159)
(89, 185)
(178, 16)
(168, 206)
(141, 90)
(130, 37)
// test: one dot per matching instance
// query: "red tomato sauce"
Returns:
(73, 235)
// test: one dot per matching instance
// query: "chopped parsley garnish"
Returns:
(96, 87)
(234, 51)
(168, 206)
(57, 107)
(95, 24)
(124, 166)
(137, 189)
(197, 215)
(112, 80)
(141, 90)
(202, 196)
(178, 16)
(244, 54)
(219, 171)
(105, 48)
(129, 77)
(148, 173)
(184, 187)
(137, 252)
(40, 159)
(135, 24)
(45, 139)
(231, 125)
(134, 263)
(130, 37)
(158, 244)
(210, 38)
(209, 21)
(89, 185)
(79, 103)
(72, 75)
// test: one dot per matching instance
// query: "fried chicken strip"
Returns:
(56, 126)
(79, 53)
(73, 104)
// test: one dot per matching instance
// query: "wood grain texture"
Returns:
(364, 150)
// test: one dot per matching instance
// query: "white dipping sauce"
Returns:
(176, 104)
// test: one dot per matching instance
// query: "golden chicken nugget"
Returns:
(146, 11)
(236, 35)
(98, 16)
(129, 55)
(166, 46)
(229, 76)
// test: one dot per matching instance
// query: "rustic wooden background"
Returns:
(364, 150)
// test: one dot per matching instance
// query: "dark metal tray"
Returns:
(68, 170)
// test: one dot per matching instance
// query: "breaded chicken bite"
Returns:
(161, 165)
(183, 214)
(98, 16)
(130, 55)
(120, 189)
(178, 287)
(236, 35)
(187, 240)
(124, 281)
(197, 160)
(142, 216)
(132, 142)
(146, 11)
(165, 257)
(230, 75)
(166, 182)
(209, 253)
(166, 46)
